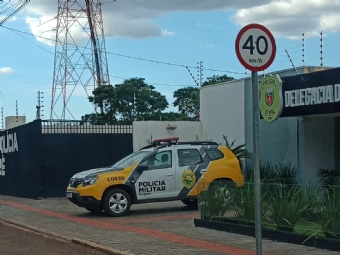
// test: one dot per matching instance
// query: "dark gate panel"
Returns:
(20, 148)
(71, 149)
(41, 157)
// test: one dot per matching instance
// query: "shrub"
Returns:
(287, 206)
(216, 200)
(329, 214)
(286, 173)
(244, 203)
(328, 176)
(239, 151)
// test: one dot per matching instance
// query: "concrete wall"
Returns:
(319, 145)
(185, 131)
(14, 121)
(222, 111)
(279, 141)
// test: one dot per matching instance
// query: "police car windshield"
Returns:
(130, 159)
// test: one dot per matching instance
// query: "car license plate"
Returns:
(69, 195)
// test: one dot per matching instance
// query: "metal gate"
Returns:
(46, 154)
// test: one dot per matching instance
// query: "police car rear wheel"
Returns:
(190, 202)
(117, 203)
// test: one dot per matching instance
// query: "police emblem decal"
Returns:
(271, 100)
(188, 178)
(269, 97)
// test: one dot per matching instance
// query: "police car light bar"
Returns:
(170, 139)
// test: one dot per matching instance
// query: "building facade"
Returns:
(306, 133)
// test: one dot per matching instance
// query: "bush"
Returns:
(329, 214)
(244, 203)
(284, 173)
(328, 177)
(287, 206)
(216, 200)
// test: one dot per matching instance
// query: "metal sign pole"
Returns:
(256, 161)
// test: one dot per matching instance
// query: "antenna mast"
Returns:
(78, 61)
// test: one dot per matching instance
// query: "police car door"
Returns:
(190, 168)
(158, 181)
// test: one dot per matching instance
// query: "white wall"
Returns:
(14, 121)
(185, 131)
(222, 111)
(319, 145)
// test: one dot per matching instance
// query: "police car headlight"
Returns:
(89, 180)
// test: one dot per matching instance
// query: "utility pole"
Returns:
(321, 46)
(303, 49)
(200, 72)
(39, 106)
(16, 110)
(2, 117)
(134, 106)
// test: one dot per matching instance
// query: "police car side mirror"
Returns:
(142, 168)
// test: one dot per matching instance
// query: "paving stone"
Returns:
(155, 228)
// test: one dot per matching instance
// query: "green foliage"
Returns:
(188, 102)
(173, 116)
(329, 212)
(100, 118)
(244, 203)
(215, 79)
(328, 176)
(104, 97)
(284, 173)
(133, 99)
(239, 151)
(216, 200)
(148, 101)
(287, 206)
(149, 141)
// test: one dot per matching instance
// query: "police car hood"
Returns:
(96, 171)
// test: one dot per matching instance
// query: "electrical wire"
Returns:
(3, 103)
(108, 2)
(153, 83)
(127, 56)
(33, 42)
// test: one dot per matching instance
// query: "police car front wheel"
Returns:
(117, 203)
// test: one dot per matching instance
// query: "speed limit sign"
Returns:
(255, 47)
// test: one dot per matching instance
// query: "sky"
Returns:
(155, 40)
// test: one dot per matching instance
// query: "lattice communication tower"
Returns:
(80, 53)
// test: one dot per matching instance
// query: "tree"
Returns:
(147, 100)
(188, 101)
(103, 97)
(217, 79)
(133, 99)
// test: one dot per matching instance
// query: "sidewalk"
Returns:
(150, 229)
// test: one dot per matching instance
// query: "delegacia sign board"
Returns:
(300, 95)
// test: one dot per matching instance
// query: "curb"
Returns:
(50, 234)
(100, 247)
